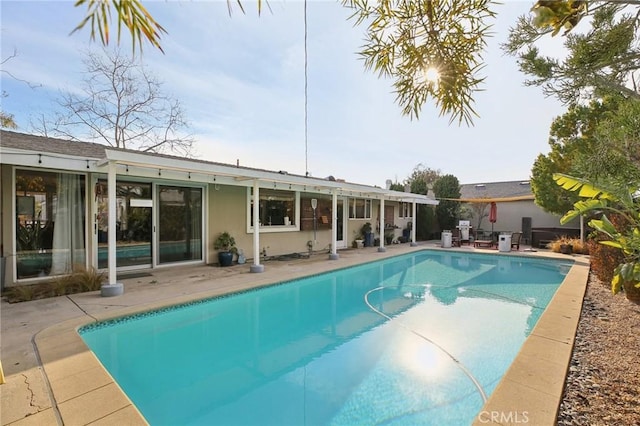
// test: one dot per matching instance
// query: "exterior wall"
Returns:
(227, 207)
(510, 216)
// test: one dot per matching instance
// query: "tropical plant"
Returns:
(602, 198)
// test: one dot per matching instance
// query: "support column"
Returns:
(415, 223)
(382, 248)
(256, 267)
(112, 288)
(334, 226)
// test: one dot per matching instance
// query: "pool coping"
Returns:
(530, 392)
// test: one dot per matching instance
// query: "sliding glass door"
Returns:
(179, 224)
(133, 224)
(50, 223)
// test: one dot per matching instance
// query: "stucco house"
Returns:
(70, 203)
(517, 211)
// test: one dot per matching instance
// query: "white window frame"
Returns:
(353, 208)
(406, 210)
(273, 228)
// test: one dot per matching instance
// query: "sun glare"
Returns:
(432, 75)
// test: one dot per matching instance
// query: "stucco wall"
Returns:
(510, 216)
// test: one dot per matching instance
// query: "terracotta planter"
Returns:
(631, 291)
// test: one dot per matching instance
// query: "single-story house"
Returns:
(70, 203)
(516, 211)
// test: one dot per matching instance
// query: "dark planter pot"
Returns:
(225, 258)
(566, 249)
(368, 239)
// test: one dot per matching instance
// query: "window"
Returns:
(406, 210)
(359, 208)
(278, 209)
(50, 223)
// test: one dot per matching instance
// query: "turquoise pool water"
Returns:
(416, 339)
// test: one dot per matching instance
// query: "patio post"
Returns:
(382, 247)
(415, 223)
(334, 226)
(112, 288)
(256, 267)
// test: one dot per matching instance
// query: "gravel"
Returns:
(603, 383)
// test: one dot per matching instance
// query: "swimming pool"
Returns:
(416, 339)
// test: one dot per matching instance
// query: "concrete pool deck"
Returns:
(52, 378)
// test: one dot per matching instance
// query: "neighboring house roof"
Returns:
(97, 156)
(496, 191)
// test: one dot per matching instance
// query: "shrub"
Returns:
(576, 243)
(79, 281)
(605, 259)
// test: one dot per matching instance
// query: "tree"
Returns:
(405, 40)
(589, 142)
(6, 120)
(421, 180)
(607, 197)
(432, 49)
(604, 60)
(121, 105)
(446, 189)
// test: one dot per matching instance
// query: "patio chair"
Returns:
(456, 238)
(515, 240)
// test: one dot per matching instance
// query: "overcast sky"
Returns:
(240, 79)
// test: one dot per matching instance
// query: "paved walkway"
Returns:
(50, 374)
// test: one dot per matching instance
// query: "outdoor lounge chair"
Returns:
(482, 241)
(515, 240)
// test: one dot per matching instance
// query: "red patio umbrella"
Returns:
(493, 215)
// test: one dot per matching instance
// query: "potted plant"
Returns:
(226, 246)
(367, 235)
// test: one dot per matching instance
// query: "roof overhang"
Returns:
(244, 176)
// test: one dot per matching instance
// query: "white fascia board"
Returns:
(28, 158)
(245, 176)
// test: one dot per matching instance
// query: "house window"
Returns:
(278, 209)
(406, 210)
(359, 208)
(50, 223)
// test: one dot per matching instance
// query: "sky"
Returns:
(240, 80)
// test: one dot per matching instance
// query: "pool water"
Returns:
(422, 339)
